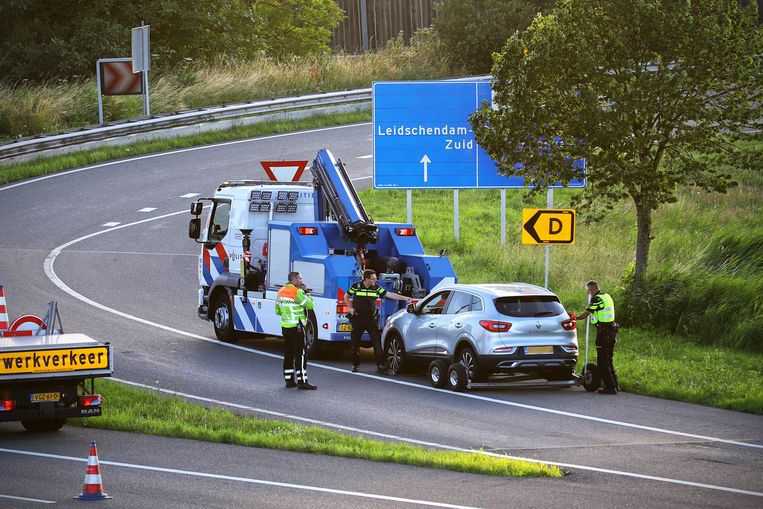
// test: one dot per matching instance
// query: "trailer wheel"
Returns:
(312, 343)
(222, 318)
(591, 377)
(438, 373)
(395, 351)
(43, 426)
(457, 377)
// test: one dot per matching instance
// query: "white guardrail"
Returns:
(183, 123)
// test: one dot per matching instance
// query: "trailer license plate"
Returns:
(45, 396)
(345, 327)
(538, 350)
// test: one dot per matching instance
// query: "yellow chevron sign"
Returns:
(548, 226)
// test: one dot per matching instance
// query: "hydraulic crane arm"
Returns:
(338, 198)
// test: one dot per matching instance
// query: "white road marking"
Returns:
(50, 272)
(250, 480)
(431, 444)
(369, 156)
(25, 499)
(362, 178)
(147, 209)
(179, 151)
(111, 223)
(189, 195)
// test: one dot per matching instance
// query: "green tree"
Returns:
(638, 88)
(470, 32)
(52, 39)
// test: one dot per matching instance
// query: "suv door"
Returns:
(421, 333)
(455, 323)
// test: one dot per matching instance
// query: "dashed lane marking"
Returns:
(25, 499)
(147, 209)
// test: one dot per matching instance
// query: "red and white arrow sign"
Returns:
(284, 171)
(117, 78)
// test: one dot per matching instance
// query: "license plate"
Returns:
(538, 350)
(45, 396)
(345, 327)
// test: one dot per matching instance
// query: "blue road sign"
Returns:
(423, 139)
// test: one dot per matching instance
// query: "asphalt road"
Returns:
(134, 284)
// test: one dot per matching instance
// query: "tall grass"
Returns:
(33, 109)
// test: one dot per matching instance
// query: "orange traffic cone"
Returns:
(3, 312)
(92, 489)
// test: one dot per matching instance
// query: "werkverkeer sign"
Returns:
(423, 139)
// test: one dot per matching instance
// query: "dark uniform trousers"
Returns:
(606, 337)
(361, 324)
(294, 357)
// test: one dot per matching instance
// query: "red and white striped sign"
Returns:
(3, 311)
(25, 325)
(117, 78)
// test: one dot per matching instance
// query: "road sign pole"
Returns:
(550, 205)
(503, 217)
(456, 234)
(98, 84)
(409, 204)
(146, 107)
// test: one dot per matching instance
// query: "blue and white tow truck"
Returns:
(257, 232)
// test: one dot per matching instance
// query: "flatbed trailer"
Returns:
(46, 379)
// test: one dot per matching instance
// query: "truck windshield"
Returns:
(529, 306)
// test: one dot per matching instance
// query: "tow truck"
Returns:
(258, 231)
(47, 376)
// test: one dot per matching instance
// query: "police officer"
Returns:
(364, 317)
(292, 304)
(602, 312)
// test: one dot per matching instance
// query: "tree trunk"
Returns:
(643, 239)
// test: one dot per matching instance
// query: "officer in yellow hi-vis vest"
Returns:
(364, 316)
(292, 304)
(602, 312)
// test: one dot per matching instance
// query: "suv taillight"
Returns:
(570, 324)
(495, 326)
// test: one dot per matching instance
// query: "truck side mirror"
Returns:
(194, 228)
(410, 308)
(196, 208)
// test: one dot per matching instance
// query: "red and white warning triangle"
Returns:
(284, 171)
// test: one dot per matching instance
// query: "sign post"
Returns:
(141, 59)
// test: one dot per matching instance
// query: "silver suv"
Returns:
(485, 332)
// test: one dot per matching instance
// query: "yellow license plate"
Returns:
(538, 350)
(345, 327)
(45, 396)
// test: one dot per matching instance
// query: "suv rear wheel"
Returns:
(468, 359)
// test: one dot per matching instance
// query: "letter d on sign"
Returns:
(554, 226)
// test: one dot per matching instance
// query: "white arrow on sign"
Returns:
(426, 162)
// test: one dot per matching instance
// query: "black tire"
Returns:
(222, 319)
(312, 343)
(469, 360)
(438, 373)
(44, 426)
(395, 353)
(457, 377)
(591, 377)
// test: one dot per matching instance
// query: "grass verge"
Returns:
(48, 165)
(134, 410)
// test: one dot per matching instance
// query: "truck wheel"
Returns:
(395, 353)
(42, 426)
(457, 377)
(438, 373)
(312, 343)
(591, 377)
(222, 318)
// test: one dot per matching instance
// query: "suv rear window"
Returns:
(529, 306)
